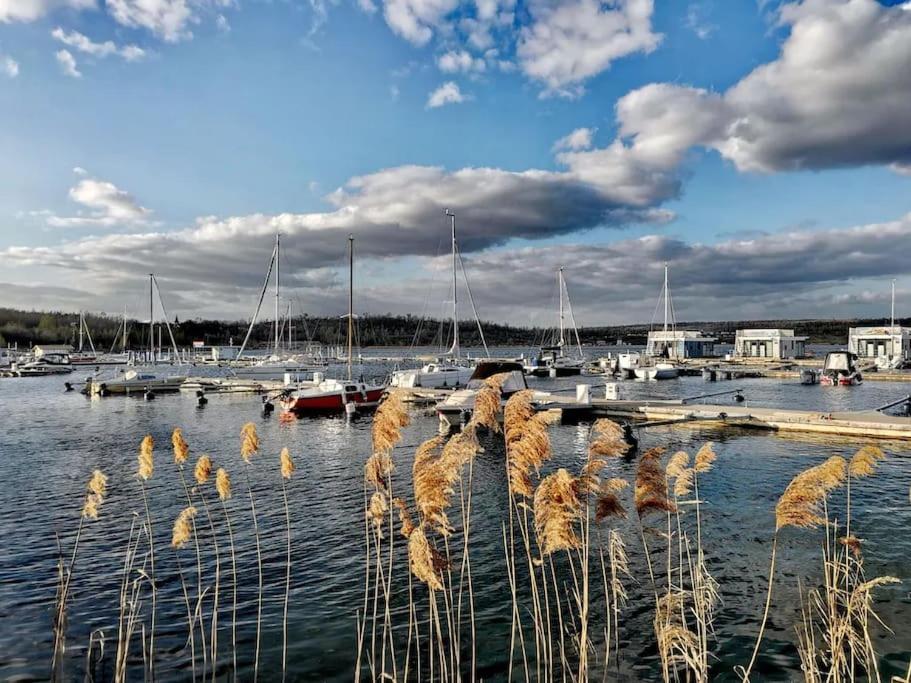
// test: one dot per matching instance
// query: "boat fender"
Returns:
(149, 395)
(268, 406)
(201, 399)
(739, 398)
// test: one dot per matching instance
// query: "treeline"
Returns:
(28, 328)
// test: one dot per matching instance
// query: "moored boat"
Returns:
(841, 369)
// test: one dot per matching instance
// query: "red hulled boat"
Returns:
(331, 396)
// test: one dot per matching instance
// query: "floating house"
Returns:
(777, 344)
(679, 344)
(49, 351)
(887, 342)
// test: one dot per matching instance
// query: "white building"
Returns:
(880, 342)
(678, 344)
(776, 344)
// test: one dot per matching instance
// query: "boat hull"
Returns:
(331, 402)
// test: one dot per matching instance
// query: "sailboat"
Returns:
(277, 364)
(552, 360)
(137, 381)
(333, 395)
(892, 361)
(450, 372)
(650, 368)
(81, 356)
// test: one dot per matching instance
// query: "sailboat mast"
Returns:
(277, 284)
(560, 295)
(892, 323)
(455, 293)
(151, 320)
(81, 322)
(124, 345)
(350, 300)
(665, 296)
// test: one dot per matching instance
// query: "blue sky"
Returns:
(708, 132)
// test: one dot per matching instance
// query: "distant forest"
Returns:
(27, 328)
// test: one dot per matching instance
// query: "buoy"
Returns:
(149, 395)
(268, 407)
(739, 398)
(68, 385)
(201, 399)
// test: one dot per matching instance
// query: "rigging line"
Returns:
(657, 304)
(167, 322)
(416, 338)
(471, 299)
(262, 296)
(88, 334)
(572, 318)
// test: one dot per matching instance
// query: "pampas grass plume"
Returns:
(203, 469)
(799, 504)
(249, 441)
(181, 448)
(146, 464)
(287, 463)
(183, 529)
(223, 483)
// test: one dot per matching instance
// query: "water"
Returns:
(52, 441)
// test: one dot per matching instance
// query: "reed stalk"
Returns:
(287, 469)
(223, 488)
(144, 473)
(249, 446)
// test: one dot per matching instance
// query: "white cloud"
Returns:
(579, 139)
(9, 66)
(221, 23)
(568, 43)
(107, 205)
(416, 20)
(697, 20)
(68, 63)
(168, 19)
(86, 45)
(838, 94)
(30, 10)
(448, 93)
(456, 61)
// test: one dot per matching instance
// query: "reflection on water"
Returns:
(52, 441)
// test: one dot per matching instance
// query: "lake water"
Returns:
(52, 441)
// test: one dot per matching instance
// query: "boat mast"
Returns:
(80, 331)
(560, 295)
(892, 323)
(665, 296)
(455, 294)
(350, 299)
(124, 344)
(277, 285)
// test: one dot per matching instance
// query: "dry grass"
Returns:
(426, 563)
(800, 503)
(181, 449)
(557, 508)
(183, 527)
(651, 493)
(203, 469)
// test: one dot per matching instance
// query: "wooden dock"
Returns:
(862, 424)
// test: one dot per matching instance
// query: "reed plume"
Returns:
(203, 469)
(651, 493)
(527, 442)
(390, 418)
(376, 511)
(377, 470)
(609, 439)
(404, 517)
(249, 442)
(146, 462)
(557, 508)
(608, 502)
(436, 469)
(181, 449)
(287, 464)
(487, 406)
(223, 484)
(705, 456)
(97, 490)
(426, 563)
(677, 644)
(183, 527)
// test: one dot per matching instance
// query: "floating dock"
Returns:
(862, 423)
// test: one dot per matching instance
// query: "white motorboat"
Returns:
(438, 375)
(458, 406)
(273, 368)
(656, 371)
(134, 382)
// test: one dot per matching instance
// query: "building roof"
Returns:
(679, 335)
(883, 331)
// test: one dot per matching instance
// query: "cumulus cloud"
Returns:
(581, 138)
(86, 45)
(456, 61)
(107, 205)
(68, 63)
(568, 43)
(416, 20)
(30, 10)
(448, 93)
(9, 66)
(167, 19)
(839, 94)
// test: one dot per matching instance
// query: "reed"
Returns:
(249, 446)
(144, 471)
(287, 469)
(223, 488)
(202, 472)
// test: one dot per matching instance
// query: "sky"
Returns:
(761, 149)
